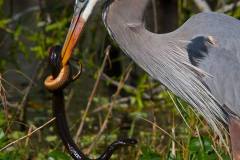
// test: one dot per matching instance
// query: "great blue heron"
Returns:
(199, 62)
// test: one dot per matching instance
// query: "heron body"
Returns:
(199, 62)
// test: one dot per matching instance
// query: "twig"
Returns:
(216, 151)
(228, 7)
(69, 98)
(164, 131)
(103, 127)
(173, 151)
(17, 16)
(202, 5)
(20, 73)
(92, 95)
(118, 101)
(179, 111)
(10, 104)
(29, 131)
(234, 7)
(11, 85)
(28, 135)
(26, 11)
(154, 130)
(23, 103)
(116, 83)
(199, 137)
(125, 87)
(3, 96)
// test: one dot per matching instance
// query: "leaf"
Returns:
(2, 135)
(195, 144)
(57, 25)
(201, 148)
(58, 155)
(51, 138)
(1, 3)
(4, 23)
(148, 154)
(2, 119)
(171, 156)
(16, 135)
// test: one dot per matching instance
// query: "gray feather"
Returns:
(167, 57)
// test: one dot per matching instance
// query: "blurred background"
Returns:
(113, 97)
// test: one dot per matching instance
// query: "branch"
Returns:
(93, 93)
(3, 96)
(111, 105)
(24, 12)
(202, 5)
(229, 7)
(126, 87)
(28, 135)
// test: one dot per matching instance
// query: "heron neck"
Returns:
(131, 11)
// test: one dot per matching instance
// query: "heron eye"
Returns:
(211, 40)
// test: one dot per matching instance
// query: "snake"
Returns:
(55, 83)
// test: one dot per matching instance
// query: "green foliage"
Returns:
(149, 154)
(57, 155)
(201, 148)
(4, 23)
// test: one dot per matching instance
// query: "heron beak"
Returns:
(82, 10)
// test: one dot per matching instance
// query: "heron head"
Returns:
(80, 6)
(82, 11)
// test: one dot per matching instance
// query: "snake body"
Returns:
(56, 83)
(52, 83)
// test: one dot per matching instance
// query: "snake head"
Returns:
(55, 59)
(61, 75)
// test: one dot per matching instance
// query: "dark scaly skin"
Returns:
(61, 122)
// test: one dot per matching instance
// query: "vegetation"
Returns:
(112, 99)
